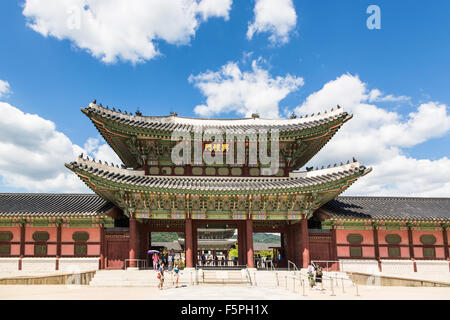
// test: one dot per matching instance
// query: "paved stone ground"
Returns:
(57, 292)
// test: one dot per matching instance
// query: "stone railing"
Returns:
(82, 278)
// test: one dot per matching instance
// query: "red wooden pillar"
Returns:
(286, 255)
(288, 246)
(445, 238)
(149, 237)
(133, 245)
(143, 241)
(194, 243)
(411, 247)
(250, 254)
(244, 242)
(283, 248)
(295, 250)
(334, 255)
(58, 245)
(22, 244)
(188, 244)
(102, 246)
(241, 244)
(297, 234)
(305, 243)
(377, 246)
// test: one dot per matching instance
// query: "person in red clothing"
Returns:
(155, 260)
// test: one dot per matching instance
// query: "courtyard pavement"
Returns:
(63, 292)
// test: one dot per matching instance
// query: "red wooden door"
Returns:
(116, 253)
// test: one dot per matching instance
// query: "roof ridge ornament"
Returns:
(256, 115)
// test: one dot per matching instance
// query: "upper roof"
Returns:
(173, 122)
(404, 208)
(132, 179)
(46, 204)
(136, 137)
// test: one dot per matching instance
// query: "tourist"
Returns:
(176, 271)
(216, 260)
(203, 259)
(312, 283)
(164, 257)
(169, 261)
(155, 261)
(319, 274)
(160, 276)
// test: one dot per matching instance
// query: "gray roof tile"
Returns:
(46, 204)
(295, 180)
(406, 208)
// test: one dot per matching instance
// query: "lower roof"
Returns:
(133, 179)
(404, 208)
(48, 204)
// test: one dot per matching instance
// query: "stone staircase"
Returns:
(283, 278)
(223, 277)
(137, 278)
(258, 278)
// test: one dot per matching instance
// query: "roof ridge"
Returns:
(324, 115)
(49, 193)
(393, 197)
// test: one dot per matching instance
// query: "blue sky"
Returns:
(407, 58)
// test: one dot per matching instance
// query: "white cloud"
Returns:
(33, 153)
(377, 137)
(101, 151)
(376, 95)
(5, 89)
(243, 92)
(215, 8)
(112, 29)
(401, 175)
(276, 17)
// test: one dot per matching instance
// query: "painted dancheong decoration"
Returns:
(151, 186)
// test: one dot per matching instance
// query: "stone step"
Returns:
(204, 277)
